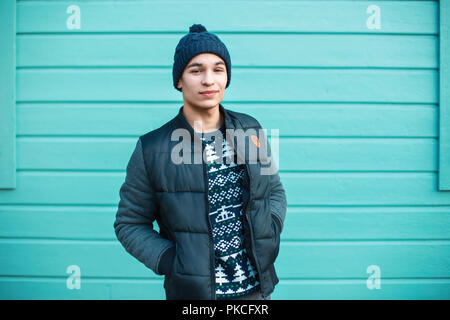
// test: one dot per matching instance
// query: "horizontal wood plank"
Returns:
(302, 188)
(250, 50)
(299, 259)
(307, 85)
(301, 223)
(416, 17)
(295, 154)
(296, 119)
(39, 288)
(19, 288)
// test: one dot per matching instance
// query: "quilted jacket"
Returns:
(176, 196)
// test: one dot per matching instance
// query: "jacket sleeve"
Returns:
(278, 202)
(136, 213)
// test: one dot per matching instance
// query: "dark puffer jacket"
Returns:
(176, 196)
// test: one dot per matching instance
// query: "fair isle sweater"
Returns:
(235, 272)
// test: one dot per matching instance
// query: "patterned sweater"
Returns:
(235, 273)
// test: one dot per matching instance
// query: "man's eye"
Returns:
(195, 71)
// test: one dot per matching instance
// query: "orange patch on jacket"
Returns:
(255, 140)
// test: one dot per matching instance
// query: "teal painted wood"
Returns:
(316, 188)
(297, 259)
(317, 85)
(328, 154)
(296, 119)
(444, 96)
(7, 94)
(407, 17)
(302, 223)
(51, 288)
(357, 111)
(41, 288)
(249, 50)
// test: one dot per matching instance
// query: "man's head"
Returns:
(201, 63)
(204, 73)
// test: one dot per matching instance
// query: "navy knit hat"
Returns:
(198, 41)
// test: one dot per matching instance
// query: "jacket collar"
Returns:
(230, 121)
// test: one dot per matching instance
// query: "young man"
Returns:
(219, 219)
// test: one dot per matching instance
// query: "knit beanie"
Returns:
(198, 41)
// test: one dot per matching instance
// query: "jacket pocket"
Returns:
(268, 244)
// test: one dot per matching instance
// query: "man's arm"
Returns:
(136, 214)
(278, 202)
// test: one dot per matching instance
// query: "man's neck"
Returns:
(211, 119)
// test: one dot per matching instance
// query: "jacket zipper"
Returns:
(212, 253)
(251, 229)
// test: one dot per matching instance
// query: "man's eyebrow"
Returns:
(196, 64)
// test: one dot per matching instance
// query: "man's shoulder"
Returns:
(162, 130)
(157, 139)
(246, 120)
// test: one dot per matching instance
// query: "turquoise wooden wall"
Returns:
(7, 95)
(352, 87)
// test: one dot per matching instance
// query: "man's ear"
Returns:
(179, 86)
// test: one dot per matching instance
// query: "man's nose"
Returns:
(208, 78)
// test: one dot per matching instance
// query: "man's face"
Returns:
(205, 72)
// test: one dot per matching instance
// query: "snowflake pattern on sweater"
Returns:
(235, 272)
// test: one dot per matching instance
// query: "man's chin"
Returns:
(206, 105)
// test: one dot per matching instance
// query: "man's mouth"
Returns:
(209, 93)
